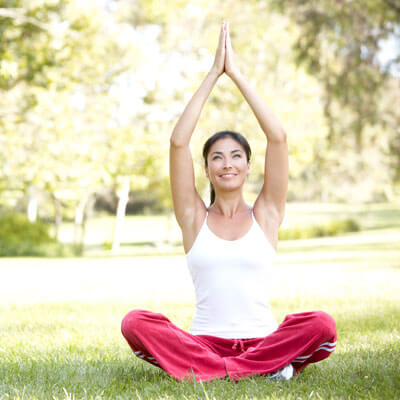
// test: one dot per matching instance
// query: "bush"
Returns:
(20, 237)
(330, 229)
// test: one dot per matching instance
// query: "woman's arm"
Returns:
(185, 198)
(272, 199)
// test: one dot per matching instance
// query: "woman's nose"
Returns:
(227, 163)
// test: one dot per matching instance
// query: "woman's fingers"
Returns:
(222, 35)
(229, 63)
(222, 38)
(219, 61)
(228, 42)
(228, 38)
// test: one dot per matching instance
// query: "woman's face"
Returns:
(227, 164)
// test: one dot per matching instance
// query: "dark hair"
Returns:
(223, 135)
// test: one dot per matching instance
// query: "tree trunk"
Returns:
(79, 219)
(123, 197)
(87, 213)
(57, 215)
(32, 204)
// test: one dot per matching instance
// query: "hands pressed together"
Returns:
(223, 61)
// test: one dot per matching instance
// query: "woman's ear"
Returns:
(206, 171)
(248, 168)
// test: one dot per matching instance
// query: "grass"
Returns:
(74, 350)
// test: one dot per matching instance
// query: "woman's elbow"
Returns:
(281, 136)
(277, 136)
(174, 142)
(177, 142)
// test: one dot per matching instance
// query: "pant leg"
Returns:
(301, 339)
(157, 340)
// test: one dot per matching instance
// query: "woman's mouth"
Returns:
(227, 175)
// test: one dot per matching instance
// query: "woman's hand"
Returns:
(219, 61)
(230, 67)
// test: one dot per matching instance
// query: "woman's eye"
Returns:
(216, 157)
(237, 156)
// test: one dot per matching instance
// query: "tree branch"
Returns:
(18, 15)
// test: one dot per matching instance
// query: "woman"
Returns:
(230, 248)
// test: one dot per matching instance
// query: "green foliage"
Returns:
(107, 245)
(25, 41)
(90, 91)
(332, 228)
(352, 49)
(20, 237)
(14, 227)
(340, 43)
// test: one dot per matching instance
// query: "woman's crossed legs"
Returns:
(300, 339)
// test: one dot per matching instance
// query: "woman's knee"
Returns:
(131, 322)
(326, 324)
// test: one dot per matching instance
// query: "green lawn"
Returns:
(74, 350)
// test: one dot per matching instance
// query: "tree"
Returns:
(353, 47)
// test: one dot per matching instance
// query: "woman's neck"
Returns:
(229, 206)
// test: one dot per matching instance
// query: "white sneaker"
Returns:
(283, 374)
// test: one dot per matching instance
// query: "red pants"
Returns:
(301, 339)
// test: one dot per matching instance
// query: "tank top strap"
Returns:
(255, 227)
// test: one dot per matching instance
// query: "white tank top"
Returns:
(231, 280)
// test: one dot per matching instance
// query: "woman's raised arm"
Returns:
(185, 198)
(270, 204)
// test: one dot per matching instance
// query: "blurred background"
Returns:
(90, 92)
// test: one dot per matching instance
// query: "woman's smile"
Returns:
(227, 175)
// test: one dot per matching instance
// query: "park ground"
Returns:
(60, 318)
